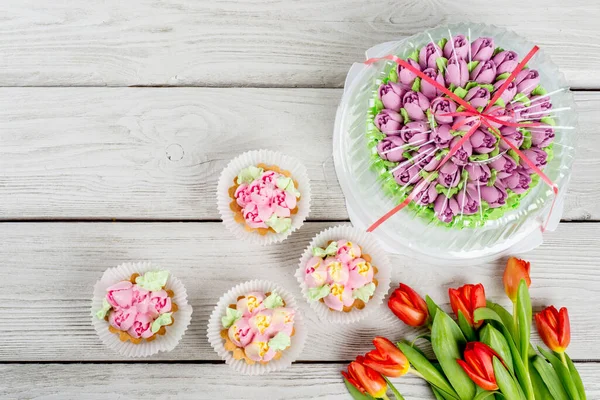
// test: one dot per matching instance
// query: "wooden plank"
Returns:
(49, 269)
(188, 381)
(140, 153)
(257, 43)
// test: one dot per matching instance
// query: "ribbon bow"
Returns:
(485, 117)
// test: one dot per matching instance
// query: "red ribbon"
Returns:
(484, 117)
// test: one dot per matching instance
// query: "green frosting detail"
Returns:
(470, 85)
(230, 317)
(364, 293)
(280, 342)
(379, 105)
(279, 224)
(414, 55)
(404, 114)
(493, 177)
(500, 102)
(548, 121)
(538, 91)
(416, 86)
(393, 75)
(487, 86)
(479, 157)
(502, 76)
(287, 184)
(331, 250)
(513, 154)
(498, 50)
(318, 293)
(247, 175)
(522, 98)
(273, 301)
(430, 119)
(472, 65)
(449, 192)
(153, 280)
(162, 320)
(452, 87)
(526, 138)
(442, 63)
(460, 92)
(101, 314)
(442, 43)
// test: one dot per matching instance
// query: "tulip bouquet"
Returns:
(484, 354)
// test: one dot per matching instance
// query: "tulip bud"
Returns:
(365, 379)
(467, 299)
(386, 359)
(479, 366)
(554, 328)
(407, 305)
(515, 271)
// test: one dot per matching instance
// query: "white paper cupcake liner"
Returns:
(288, 356)
(166, 342)
(268, 157)
(379, 259)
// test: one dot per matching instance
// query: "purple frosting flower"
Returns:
(518, 181)
(446, 208)
(539, 108)
(415, 103)
(516, 109)
(461, 157)
(495, 195)
(427, 195)
(427, 88)
(468, 199)
(406, 76)
(391, 95)
(542, 136)
(504, 165)
(482, 49)
(536, 156)
(442, 136)
(479, 173)
(467, 125)
(415, 133)
(527, 80)
(426, 157)
(506, 61)
(484, 72)
(428, 55)
(511, 134)
(457, 72)
(498, 113)
(509, 93)
(389, 122)
(389, 143)
(483, 142)
(441, 106)
(407, 175)
(459, 46)
(449, 175)
(478, 96)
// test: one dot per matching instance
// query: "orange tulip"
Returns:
(467, 299)
(365, 379)
(554, 328)
(386, 359)
(516, 270)
(407, 305)
(478, 364)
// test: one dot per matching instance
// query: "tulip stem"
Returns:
(564, 359)
(416, 373)
(394, 390)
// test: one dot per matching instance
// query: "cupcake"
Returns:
(263, 196)
(256, 328)
(139, 310)
(343, 274)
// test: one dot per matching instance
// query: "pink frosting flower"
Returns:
(512, 135)
(457, 47)
(361, 273)
(141, 326)
(539, 108)
(284, 201)
(426, 159)
(468, 200)
(442, 106)
(337, 272)
(442, 136)
(495, 195)
(240, 333)
(449, 175)
(282, 321)
(122, 319)
(504, 165)
(506, 61)
(461, 157)
(484, 72)
(315, 272)
(407, 175)
(160, 301)
(537, 156)
(415, 104)
(141, 299)
(427, 88)
(347, 251)
(542, 136)
(478, 96)
(457, 72)
(482, 49)
(483, 142)
(391, 94)
(251, 215)
(527, 80)
(427, 195)
(429, 54)
(479, 173)
(242, 195)
(415, 133)
(385, 148)
(250, 304)
(509, 93)
(339, 297)
(259, 350)
(389, 122)
(405, 76)
(269, 177)
(446, 208)
(518, 181)
(120, 294)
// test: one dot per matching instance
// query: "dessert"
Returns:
(340, 275)
(258, 327)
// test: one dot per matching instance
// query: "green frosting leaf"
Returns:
(522, 98)
(472, 65)
(500, 102)
(273, 301)
(442, 63)
(287, 184)
(430, 119)
(479, 157)
(364, 293)
(331, 250)
(230, 317)
(449, 192)
(442, 43)
(162, 320)
(379, 105)
(318, 293)
(460, 92)
(153, 280)
(414, 55)
(470, 85)
(247, 175)
(498, 50)
(548, 121)
(279, 224)
(101, 314)
(502, 76)
(538, 91)
(416, 86)
(452, 87)
(493, 178)
(280, 342)
(393, 75)
(404, 114)
(513, 154)
(487, 86)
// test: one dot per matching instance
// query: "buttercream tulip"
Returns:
(457, 47)
(429, 54)
(519, 181)
(461, 157)
(509, 92)
(479, 366)
(479, 173)
(251, 304)
(527, 80)
(464, 124)
(415, 104)
(542, 136)
(259, 350)
(427, 195)
(478, 96)
(407, 175)
(537, 156)
(427, 88)
(554, 328)
(426, 158)
(484, 72)
(160, 302)
(337, 272)
(122, 319)
(441, 136)
(504, 165)
(506, 61)
(252, 217)
(389, 122)
(240, 333)
(449, 175)
(512, 135)
(365, 379)
(340, 297)
(141, 327)
(482, 49)
(441, 106)
(516, 270)
(386, 359)
(406, 76)
(348, 250)
(467, 299)
(385, 148)
(120, 294)
(242, 195)
(483, 142)
(391, 94)
(457, 72)
(499, 113)
(446, 208)
(495, 195)
(261, 321)
(516, 110)
(361, 273)
(468, 199)
(415, 133)
(539, 108)
(407, 305)
(315, 272)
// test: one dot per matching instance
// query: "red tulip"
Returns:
(365, 379)
(478, 364)
(467, 299)
(408, 306)
(516, 270)
(554, 328)
(386, 359)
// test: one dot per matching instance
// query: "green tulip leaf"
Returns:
(484, 395)
(504, 315)
(466, 328)
(539, 387)
(576, 378)
(355, 393)
(550, 378)
(397, 394)
(448, 343)
(493, 338)
(563, 373)
(523, 319)
(507, 384)
(431, 307)
(440, 395)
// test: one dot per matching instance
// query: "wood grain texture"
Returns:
(49, 270)
(189, 381)
(257, 43)
(156, 153)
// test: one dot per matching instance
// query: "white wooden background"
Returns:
(116, 118)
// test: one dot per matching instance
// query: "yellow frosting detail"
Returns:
(337, 290)
(363, 268)
(335, 270)
(288, 318)
(262, 323)
(263, 348)
(252, 303)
